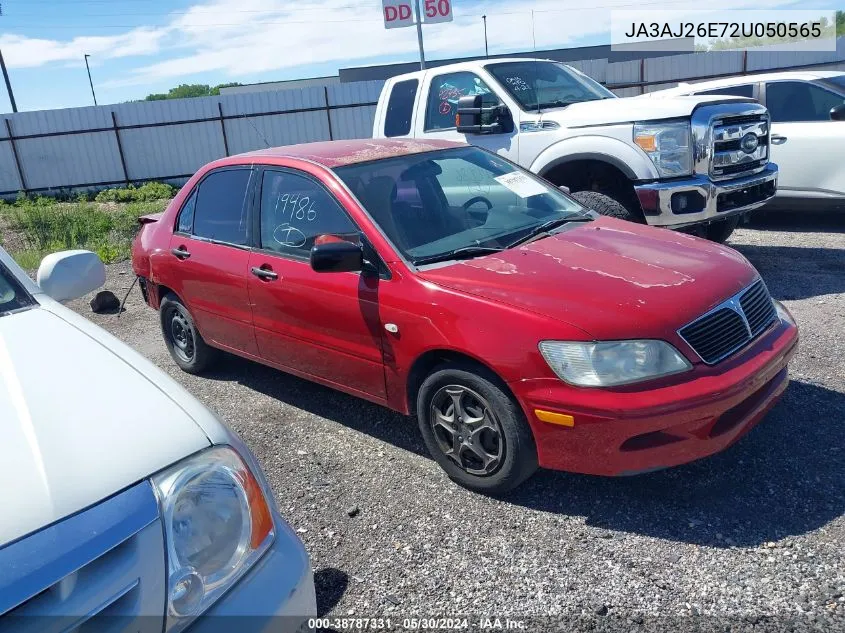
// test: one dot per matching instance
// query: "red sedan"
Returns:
(442, 280)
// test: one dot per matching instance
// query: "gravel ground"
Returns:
(755, 533)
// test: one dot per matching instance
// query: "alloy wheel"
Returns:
(467, 429)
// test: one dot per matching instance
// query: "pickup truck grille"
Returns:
(740, 145)
(731, 325)
(98, 571)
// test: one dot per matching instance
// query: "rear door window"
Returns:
(745, 90)
(221, 213)
(400, 108)
(186, 215)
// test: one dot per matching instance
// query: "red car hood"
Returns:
(611, 278)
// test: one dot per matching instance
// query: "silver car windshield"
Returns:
(837, 83)
(12, 295)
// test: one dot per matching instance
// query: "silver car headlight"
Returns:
(217, 524)
(611, 363)
(667, 145)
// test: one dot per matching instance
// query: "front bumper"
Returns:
(679, 203)
(276, 595)
(629, 430)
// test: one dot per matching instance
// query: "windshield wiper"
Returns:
(459, 253)
(555, 104)
(543, 229)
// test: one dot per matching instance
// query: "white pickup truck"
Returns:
(688, 161)
(808, 130)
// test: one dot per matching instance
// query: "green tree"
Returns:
(840, 23)
(216, 90)
(186, 91)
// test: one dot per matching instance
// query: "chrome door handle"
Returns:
(777, 139)
(263, 273)
(180, 252)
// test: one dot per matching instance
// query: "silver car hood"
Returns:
(82, 417)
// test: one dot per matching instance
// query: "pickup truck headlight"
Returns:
(612, 363)
(667, 145)
(217, 524)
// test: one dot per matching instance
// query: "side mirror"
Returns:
(70, 274)
(564, 189)
(474, 118)
(837, 113)
(336, 256)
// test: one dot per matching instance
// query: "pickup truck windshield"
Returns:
(12, 295)
(456, 203)
(544, 85)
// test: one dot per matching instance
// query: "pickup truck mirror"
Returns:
(70, 274)
(474, 117)
(837, 113)
(334, 255)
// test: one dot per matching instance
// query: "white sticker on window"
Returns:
(521, 185)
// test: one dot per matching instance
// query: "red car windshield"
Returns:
(435, 203)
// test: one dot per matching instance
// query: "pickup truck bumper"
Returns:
(696, 200)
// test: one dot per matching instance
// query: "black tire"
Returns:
(607, 205)
(183, 340)
(497, 427)
(720, 231)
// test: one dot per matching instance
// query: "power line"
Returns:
(224, 12)
(314, 21)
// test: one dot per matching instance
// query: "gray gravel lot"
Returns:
(753, 533)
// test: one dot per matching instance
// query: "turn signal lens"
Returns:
(648, 142)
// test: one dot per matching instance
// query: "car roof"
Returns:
(805, 75)
(331, 154)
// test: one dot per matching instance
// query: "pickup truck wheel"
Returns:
(606, 205)
(720, 231)
(183, 340)
(474, 430)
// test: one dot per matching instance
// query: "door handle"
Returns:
(777, 139)
(263, 273)
(180, 253)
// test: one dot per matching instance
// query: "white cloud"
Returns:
(26, 52)
(235, 38)
(255, 36)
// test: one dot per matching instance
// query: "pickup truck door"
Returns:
(438, 106)
(806, 144)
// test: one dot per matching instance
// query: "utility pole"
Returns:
(89, 78)
(8, 84)
(419, 33)
(486, 52)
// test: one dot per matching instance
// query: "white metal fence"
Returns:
(89, 148)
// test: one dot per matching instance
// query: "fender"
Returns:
(629, 160)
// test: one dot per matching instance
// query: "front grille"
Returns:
(758, 308)
(729, 157)
(732, 325)
(97, 571)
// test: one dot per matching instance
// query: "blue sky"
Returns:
(143, 46)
